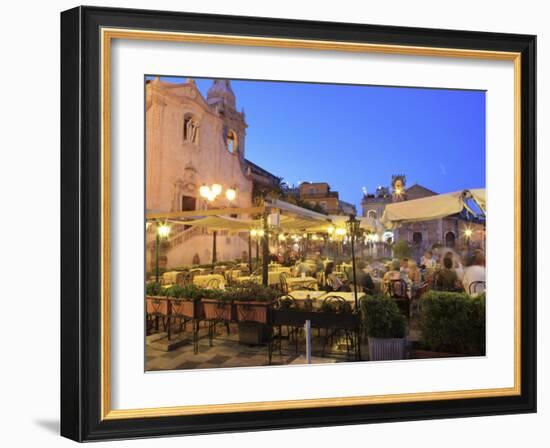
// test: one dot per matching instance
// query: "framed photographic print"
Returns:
(277, 224)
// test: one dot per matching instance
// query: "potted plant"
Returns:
(386, 328)
(253, 302)
(218, 305)
(253, 305)
(156, 302)
(187, 301)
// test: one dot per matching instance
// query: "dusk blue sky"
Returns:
(358, 136)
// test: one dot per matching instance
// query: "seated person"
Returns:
(427, 261)
(475, 273)
(404, 267)
(333, 282)
(446, 278)
(363, 278)
(414, 272)
(393, 273)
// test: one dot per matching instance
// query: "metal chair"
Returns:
(336, 304)
(476, 287)
(213, 283)
(398, 291)
(283, 285)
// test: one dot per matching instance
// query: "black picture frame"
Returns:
(81, 224)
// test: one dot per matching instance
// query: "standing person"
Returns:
(475, 273)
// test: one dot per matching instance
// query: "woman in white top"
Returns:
(475, 273)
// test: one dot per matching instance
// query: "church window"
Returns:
(417, 238)
(231, 141)
(372, 214)
(450, 239)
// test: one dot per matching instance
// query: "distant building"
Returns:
(456, 232)
(320, 193)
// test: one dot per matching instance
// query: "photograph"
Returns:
(292, 223)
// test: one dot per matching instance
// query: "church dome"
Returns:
(221, 92)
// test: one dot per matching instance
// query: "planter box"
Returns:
(193, 309)
(157, 305)
(253, 311)
(253, 333)
(218, 310)
(382, 349)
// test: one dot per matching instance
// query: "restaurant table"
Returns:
(169, 278)
(279, 269)
(296, 318)
(203, 280)
(317, 297)
(273, 278)
(296, 282)
(234, 273)
(304, 294)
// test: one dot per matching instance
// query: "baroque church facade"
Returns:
(193, 141)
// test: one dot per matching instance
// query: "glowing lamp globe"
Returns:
(163, 230)
(230, 194)
(217, 189)
(204, 191)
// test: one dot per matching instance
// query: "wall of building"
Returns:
(176, 167)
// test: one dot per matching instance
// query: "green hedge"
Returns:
(382, 318)
(453, 322)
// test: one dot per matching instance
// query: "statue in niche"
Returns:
(190, 129)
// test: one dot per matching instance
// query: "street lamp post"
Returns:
(353, 231)
(162, 231)
(210, 194)
(249, 253)
(265, 250)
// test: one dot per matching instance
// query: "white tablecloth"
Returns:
(297, 282)
(204, 280)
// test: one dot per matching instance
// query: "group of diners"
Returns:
(445, 271)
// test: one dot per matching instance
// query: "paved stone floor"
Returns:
(228, 352)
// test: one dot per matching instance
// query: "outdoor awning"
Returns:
(369, 224)
(478, 195)
(222, 223)
(432, 207)
(292, 218)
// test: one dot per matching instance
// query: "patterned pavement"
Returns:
(228, 352)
